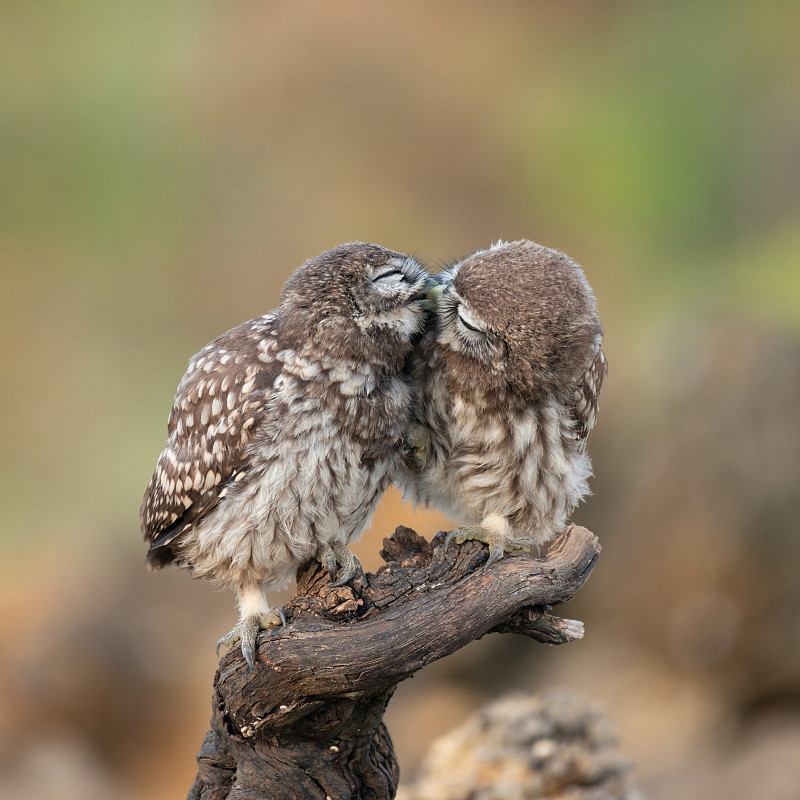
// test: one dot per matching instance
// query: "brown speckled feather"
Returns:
(587, 395)
(284, 429)
(219, 404)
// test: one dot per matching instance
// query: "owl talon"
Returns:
(246, 632)
(521, 546)
(495, 554)
(249, 651)
(499, 543)
(335, 555)
(228, 640)
(450, 536)
(466, 534)
(349, 571)
(328, 560)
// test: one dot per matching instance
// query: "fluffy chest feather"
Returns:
(523, 464)
(319, 462)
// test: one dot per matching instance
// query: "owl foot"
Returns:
(349, 571)
(499, 542)
(246, 632)
(337, 554)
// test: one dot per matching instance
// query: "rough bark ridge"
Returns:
(307, 723)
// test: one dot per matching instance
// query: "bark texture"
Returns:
(307, 723)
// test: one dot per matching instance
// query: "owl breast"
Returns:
(313, 477)
(524, 464)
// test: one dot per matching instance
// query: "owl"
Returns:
(285, 432)
(508, 378)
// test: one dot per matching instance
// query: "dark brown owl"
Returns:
(285, 430)
(508, 378)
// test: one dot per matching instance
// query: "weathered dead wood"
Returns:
(307, 723)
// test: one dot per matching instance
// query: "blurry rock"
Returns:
(521, 747)
(701, 562)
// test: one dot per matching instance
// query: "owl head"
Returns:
(358, 301)
(517, 318)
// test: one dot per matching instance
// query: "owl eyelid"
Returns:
(468, 326)
(390, 273)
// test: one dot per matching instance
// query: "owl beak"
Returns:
(433, 291)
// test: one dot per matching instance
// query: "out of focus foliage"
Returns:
(165, 166)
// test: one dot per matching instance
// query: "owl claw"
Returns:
(499, 544)
(349, 570)
(338, 555)
(328, 560)
(495, 554)
(246, 632)
(249, 650)
(450, 536)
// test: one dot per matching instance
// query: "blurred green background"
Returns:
(163, 169)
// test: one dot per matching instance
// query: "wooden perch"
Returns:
(307, 723)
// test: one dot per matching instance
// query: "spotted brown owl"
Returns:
(285, 430)
(508, 378)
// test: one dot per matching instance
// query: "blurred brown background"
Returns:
(165, 166)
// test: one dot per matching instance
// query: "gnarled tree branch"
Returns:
(307, 723)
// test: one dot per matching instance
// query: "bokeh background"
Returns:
(163, 169)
